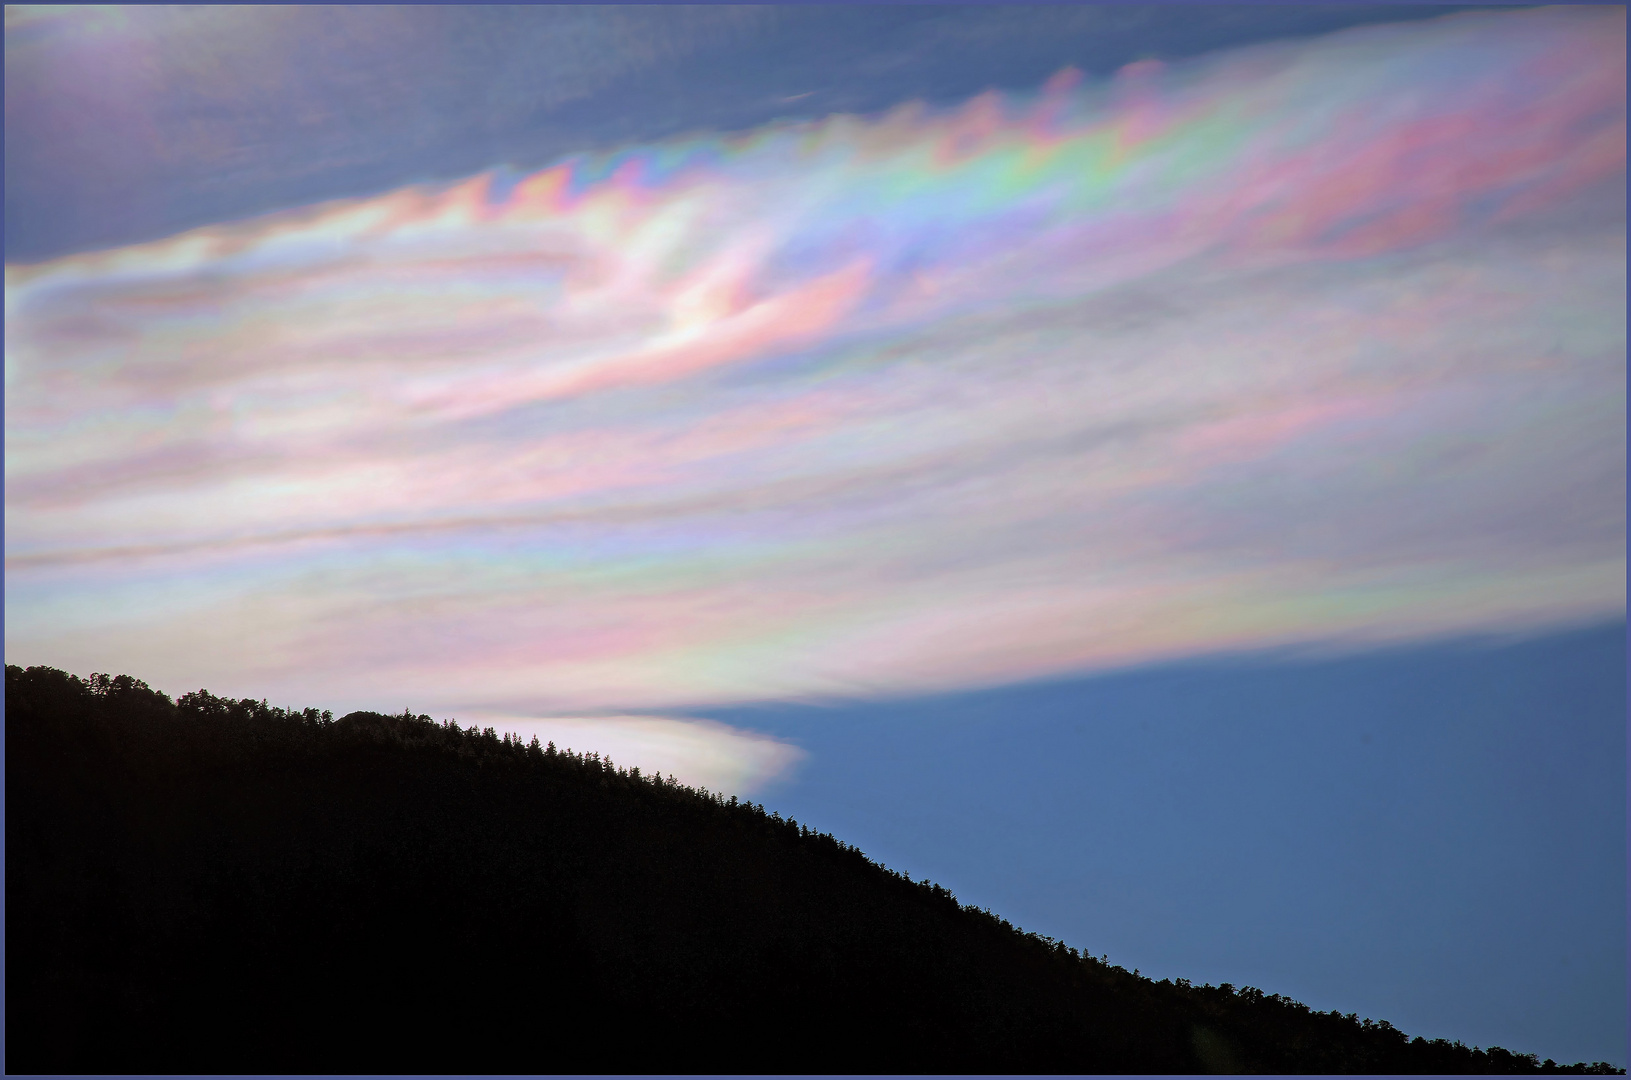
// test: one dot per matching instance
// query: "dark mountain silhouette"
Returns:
(209, 885)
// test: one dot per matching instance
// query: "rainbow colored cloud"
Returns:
(1304, 344)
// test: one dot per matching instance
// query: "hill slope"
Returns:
(208, 885)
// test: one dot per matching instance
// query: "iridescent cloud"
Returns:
(1312, 343)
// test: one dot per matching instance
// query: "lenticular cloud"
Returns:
(1314, 342)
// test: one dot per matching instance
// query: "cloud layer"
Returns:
(1314, 342)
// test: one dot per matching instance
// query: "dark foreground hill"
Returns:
(219, 886)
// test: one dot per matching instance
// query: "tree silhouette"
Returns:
(209, 885)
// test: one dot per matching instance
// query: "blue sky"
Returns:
(1157, 470)
(1432, 834)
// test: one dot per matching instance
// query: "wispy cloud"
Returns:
(1319, 341)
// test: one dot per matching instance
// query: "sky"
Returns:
(765, 394)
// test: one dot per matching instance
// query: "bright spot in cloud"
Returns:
(696, 752)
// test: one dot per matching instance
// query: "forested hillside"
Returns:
(208, 885)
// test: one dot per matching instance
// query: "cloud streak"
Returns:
(1311, 342)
